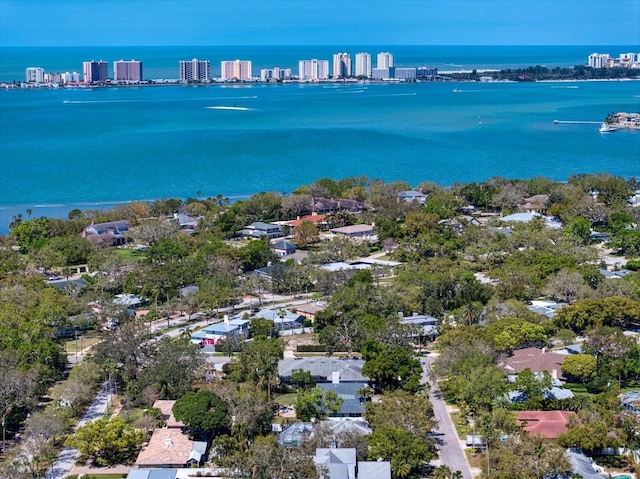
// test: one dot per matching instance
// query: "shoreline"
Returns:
(47, 87)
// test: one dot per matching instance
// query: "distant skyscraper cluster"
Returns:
(344, 67)
(624, 60)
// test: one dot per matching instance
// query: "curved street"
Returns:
(450, 448)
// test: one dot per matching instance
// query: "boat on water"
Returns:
(606, 128)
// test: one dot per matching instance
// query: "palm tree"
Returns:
(400, 469)
(442, 472)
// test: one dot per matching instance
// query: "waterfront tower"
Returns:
(313, 70)
(34, 75)
(195, 70)
(235, 70)
(341, 65)
(363, 65)
(127, 70)
(385, 60)
(94, 72)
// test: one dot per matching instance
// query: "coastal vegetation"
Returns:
(452, 257)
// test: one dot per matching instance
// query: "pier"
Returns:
(576, 122)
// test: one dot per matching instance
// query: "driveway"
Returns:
(450, 449)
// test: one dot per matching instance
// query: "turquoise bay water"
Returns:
(91, 148)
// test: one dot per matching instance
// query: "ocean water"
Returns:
(90, 148)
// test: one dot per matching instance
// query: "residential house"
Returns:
(324, 205)
(323, 369)
(283, 247)
(283, 319)
(110, 234)
(555, 392)
(298, 432)
(616, 274)
(546, 308)
(166, 409)
(130, 301)
(527, 217)
(187, 223)
(537, 360)
(362, 232)
(410, 196)
(341, 463)
(631, 401)
(259, 229)
(214, 333)
(316, 219)
(549, 424)
(309, 310)
(536, 204)
(426, 325)
(171, 448)
(585, 467)
(352, 401)
(350, 206)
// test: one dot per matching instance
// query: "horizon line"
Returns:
(269, 45)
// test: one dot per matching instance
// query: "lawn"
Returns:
(129, 254)
(82, 343)
(286, 399)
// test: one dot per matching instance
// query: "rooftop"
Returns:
(544, 423)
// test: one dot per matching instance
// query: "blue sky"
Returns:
(321, 22)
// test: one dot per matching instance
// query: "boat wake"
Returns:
(235, 108)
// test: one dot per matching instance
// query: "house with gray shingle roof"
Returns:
(324, 369)
(341, 463)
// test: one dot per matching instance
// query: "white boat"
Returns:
(606, 128)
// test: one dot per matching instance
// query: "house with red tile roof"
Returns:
(548, 424)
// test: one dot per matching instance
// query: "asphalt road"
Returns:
(450, 450)
(68, 457)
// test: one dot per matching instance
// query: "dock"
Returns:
(576, 122)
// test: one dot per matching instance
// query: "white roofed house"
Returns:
(357, 232)
(258, 229)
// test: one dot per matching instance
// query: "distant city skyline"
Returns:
(319, 22)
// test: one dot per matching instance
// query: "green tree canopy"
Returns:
(204, 413)
(392, 367)
(108, 441)
(316, 403)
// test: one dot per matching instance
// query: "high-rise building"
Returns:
(34, 75)
(73, 77)
(95, 71)
(53, 77)
(127, 70)
(363, 65)
(195, 70)
(275, 73)
(341, 65)
(313, 69)
(385, 60)
(598, 60)
(235, 70)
